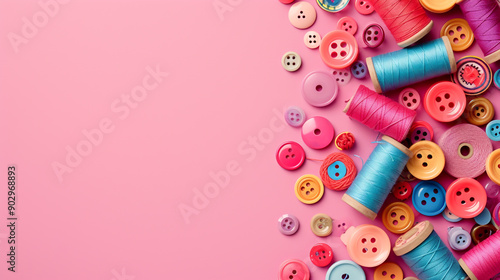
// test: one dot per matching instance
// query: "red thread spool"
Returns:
(341, 183)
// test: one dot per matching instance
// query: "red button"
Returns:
(290, 155)
(364, 7)
(294, 269)
(321, 255)
(445, 101)
(348, 24)
(402, 190)
(338, 49)
(466, 198)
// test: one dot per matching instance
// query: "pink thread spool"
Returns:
(483, 262)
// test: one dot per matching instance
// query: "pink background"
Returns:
(116, 214)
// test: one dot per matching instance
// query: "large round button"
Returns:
(342, 76)
(290, 155)
(402, 190)
(344, 141)
(429, 198)
(345, 269)
(302, 15)
(427, 161)
(369, 245)
(317, 133)
(309, 189)
(398, 217)
(444, 101)
(295, 116)
(480, 233)
(312, 39)
(409, 98)
(288, 224)
(493, 130)
(388, 271)
(466, 198)
(321, 225)
(294, 269)
(359, 70)
(373, 35)
(479, 111)
(497, 79)
(291, 61)
(458, 238)
(483, 218)
(473, 75)
(364, 7)
(438, 6)
(319, 89)
(348, 24)
(459, 33)
(493, 166)
(450, 217)
(321, 255)
(338, 49)
(421, 130)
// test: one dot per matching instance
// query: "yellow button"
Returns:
(479, 111)
(388, 271)
(493, 166)
(309, 189)
(427, 161)
(321, 225)
(438, 6)
(398, 217)
(459, 33)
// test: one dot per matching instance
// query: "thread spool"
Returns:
(374, 181)
(466, 148)
(426, 254)
(483, 17)
(412, 65)
(406, 19)
(338, 171)
(482, 261)
(380, 113)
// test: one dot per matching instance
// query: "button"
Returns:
(388, 271)
(483, 218)
(294, 269)
(348, 24)
(458, 238)
(373, 35)
(364, 7)
(291, 61)
(493, 130)
(427, 161)
(309, 189)
(312, 39)
(459, 33)
(288, 224)
(343, 77)
(402, 190)
(429, 198)
(337, 170)
(332, 6)
(344, 141)
(321, 225)
(411, 278)
(497, 79)
(493, 166)
(398, 217)
(466, 198)
(479, 111)
(438, 6)
(496, 214)
(286, 1)
(340, 227)
(420, 131)
(480, 233)
(345, 269)
(290, 155)
(359, 70)
(295, 116)
(317, 133)
(319, 89)
(409, 98)
(321, 255)
(338, 49)
(444, 101)
(450, 217)
(302, 15)
(368, 245)
(473, 75)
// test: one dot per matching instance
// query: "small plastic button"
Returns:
(458, 238)
(332, 6)
(345, 269)
(317, 133)
(337, 170)
(480, 233)
(312, 39)
(319, 89)
(373, 35)
(438, 6)
(321, 225)
(450, 217)
(321, 255)
(388, 271)
(368, 245)
(286, 1)
(496, 214)
(359, 70)
(309, 189)
(497, 79)
(295, 116)
(364, 7)
(420, 131)
(493, 166)
(479, 111)
(338, 49)
(343, 77)
(427, 161)
(398, 217)
(466, 198)
(340, 227)
(291, 61)
(459, 33)
(444, 101)
(290, 155)
(288, 224)
(409, 98)
(483, 218)
(402, 190)
(429, 198)
(302, 15)
(493, 130)
(344, 141)
(473, 75)
(294, 269)
(348, 24)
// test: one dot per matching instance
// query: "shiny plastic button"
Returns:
(290, 155)
(302, 15)
(438, 6)
(411, 278)
(479, 111)
(348, 24)
(483, 218)
(402, 190)
(459, 33)
(480, 233)
(444, 101)
(497, 79)
(340, 227)
(388, 271)
(343, 77)
(312, 39)
(317, 133)
(344, 141)
(409, 98)
(367, 245)
(398, 217)
(332, 6)
(309, 189)
(337, 170)
(458, 238)
(466, 198)
(294, 269)
(429, 198)
(319, 89)
(493, 166)
(288, 224)
(473, 75)
(493, 130)
(338, 49)
(420, 131)
(295, 116)
(364, 7)
(359, 70)
(345, 269)
(321, 225)
(291, 61)
(450, 217)
(427, 161)
(373, 35)
(321, 255)
(286, 1)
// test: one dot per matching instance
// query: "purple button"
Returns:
(317, 132)
(420, 133)
(373, 35)
(290, 155)
(358, 69)
(319, 89)
(342, 77)
(295, 116)
(288, 224)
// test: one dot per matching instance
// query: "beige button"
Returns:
(312, 39)
(291, 61)
(321, 225)
(302, 15)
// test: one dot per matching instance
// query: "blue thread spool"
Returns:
(371, 187)
(426, 254)
(411, 65)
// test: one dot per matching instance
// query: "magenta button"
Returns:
(290, 155)
(319, 89)
(373, 35)
(317, 132)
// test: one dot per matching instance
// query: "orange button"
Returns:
(459, 33)
(438, 6)
(398, 218)
(388, 271)
(309, 189)
(493, 166)
(479, 111)
(321, 225)
(427, 161)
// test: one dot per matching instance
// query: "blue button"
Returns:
(458, 238)
(337, 170)
(483, 218)
(343, 270)
(493, 130)
(496, 79)
(450, 217)
(358, 69)
(429, 198)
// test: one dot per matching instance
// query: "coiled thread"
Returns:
(346, 180)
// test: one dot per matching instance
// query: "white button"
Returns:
(291, 61)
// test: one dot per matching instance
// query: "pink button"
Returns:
(319, 89)
(364, 7)
(338, 49)
(290, 155)
(342, 76)
(302, 15)
(286, 1)
(347, 24)
(373, 35)
(294, 269)
(445, 101)
(312, 39)
(409, 98)
(317, 133)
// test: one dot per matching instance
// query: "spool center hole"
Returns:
(465, 151)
